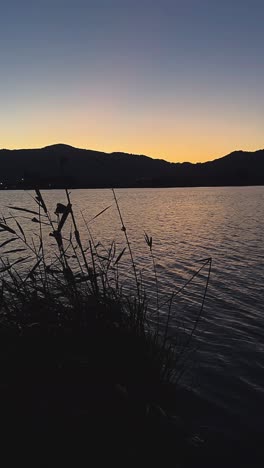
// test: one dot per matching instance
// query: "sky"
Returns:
(181, 80)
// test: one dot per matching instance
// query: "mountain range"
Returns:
(60, 166)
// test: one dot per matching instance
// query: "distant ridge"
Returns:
(61, 146)
(60, 165)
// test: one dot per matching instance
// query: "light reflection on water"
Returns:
(188, 224)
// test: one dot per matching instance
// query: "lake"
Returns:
(226, 366)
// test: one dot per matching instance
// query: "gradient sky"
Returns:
(182, 79)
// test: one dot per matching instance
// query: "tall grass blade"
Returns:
(8, 242)
(120, 256)
(99, 214)
(17, 208)
(20, 229)
(13, 251)
(41, 201)
(64, 217)
(7, 228)
(8, 267)
(33, 269)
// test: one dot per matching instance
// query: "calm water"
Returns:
(189, 224)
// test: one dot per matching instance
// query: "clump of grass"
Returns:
(56, 286)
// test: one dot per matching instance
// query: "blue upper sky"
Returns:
(178, 79)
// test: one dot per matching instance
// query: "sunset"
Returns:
(132, 233)
(179, 80)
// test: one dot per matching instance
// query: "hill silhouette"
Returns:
(60, 166)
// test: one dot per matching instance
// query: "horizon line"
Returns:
(132, 154)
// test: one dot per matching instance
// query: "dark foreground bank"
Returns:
(80, 397)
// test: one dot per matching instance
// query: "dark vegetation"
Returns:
(61, 166)
(89, 369)
(85, 363)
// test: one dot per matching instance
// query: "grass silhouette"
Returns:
(86, 353)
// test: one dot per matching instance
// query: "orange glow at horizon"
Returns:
(186, 146)
(167, 128)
